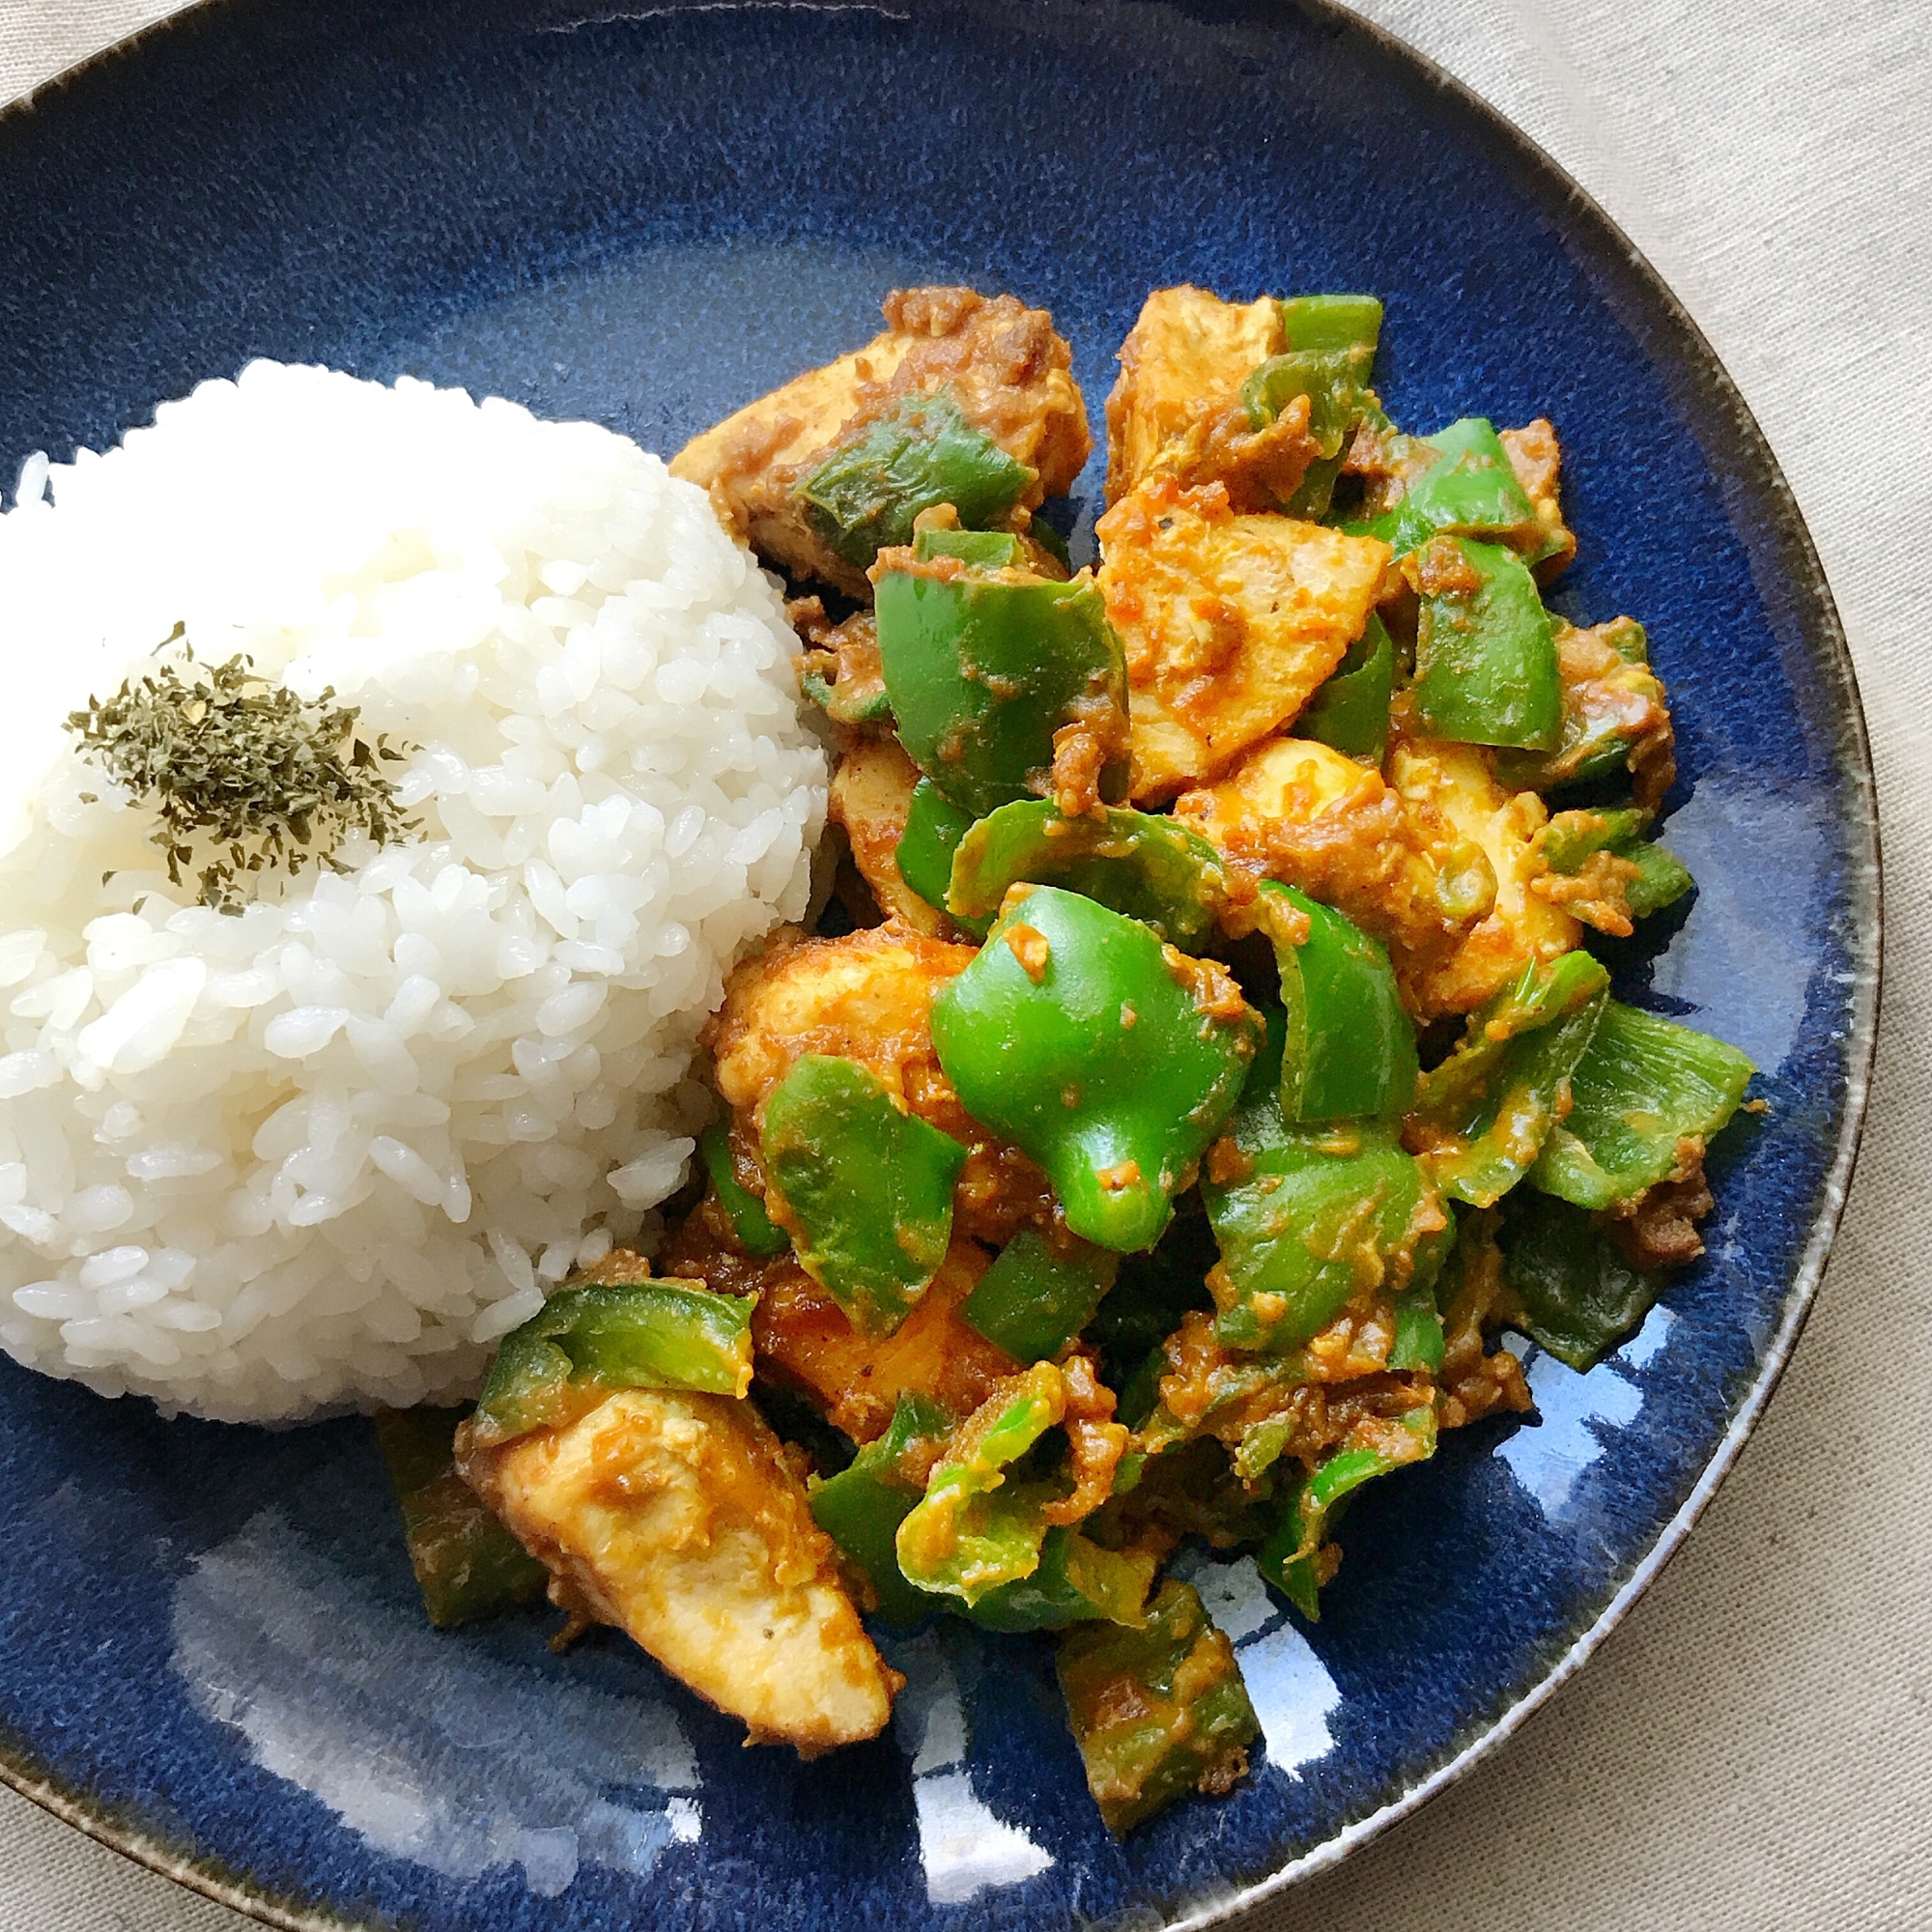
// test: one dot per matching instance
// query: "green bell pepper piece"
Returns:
(1350, 711)
(467, 1564)
(1324, 1205)
(1469, 489)
(586, 1343)
(1077, 1581)
(750, 1223)
(1418, 1331)
(1158, 1711)
(861, 1507)
(1031, 1302)
(1345, 326)
(864, 496)
(984, 668)
(1104, 1069)
(1643, 1085)
(1572, 840)
(1572, 837)
(1322, 1212)
(1599, 732)
(1566, 1283)
(1050, 540)
(869, 1186)
(874, 708)
(933, 829)
(1261, 1446)
(1487, 1111)
(1291, 1558)
(1330, 358)
(1144, 865)
(967, 1535)
(871, 707)
(1662, 879)
(984, 550)
(1485, 668)
(1351, 1045)
(1459, 482)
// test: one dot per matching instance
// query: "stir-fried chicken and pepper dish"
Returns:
(1196, 1065)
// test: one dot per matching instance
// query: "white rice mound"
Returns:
(324, 1154)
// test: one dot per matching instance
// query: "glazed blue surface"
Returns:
(211, 1634)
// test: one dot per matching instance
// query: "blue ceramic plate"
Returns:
(647, 214)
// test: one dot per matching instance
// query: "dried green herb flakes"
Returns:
(263, 777)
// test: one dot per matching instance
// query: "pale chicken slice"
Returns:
(803, 1338)
(675, 1518)
(867, 997)
(1302, 813)
(871, 793)
(1458, 782)
(1000, 362)
(1230, 623)
(1177, 408)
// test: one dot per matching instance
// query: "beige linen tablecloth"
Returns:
(1745, 1751)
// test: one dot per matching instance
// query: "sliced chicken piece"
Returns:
(803, 1336)
(1458, 782)
(1230, 623)
(1000, 363)
(1302, 813)
(867, 996)
(871, 793)
(1176, 409)
(675, 1518)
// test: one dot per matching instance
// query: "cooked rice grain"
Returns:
(327, 1153)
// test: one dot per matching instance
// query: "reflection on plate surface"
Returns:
(1756, 848)
(1291, 1693)
(648, 222)
(425, 1749)
(1574, 1411)
(964, 1848)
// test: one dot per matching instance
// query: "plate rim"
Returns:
(1830, 650)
